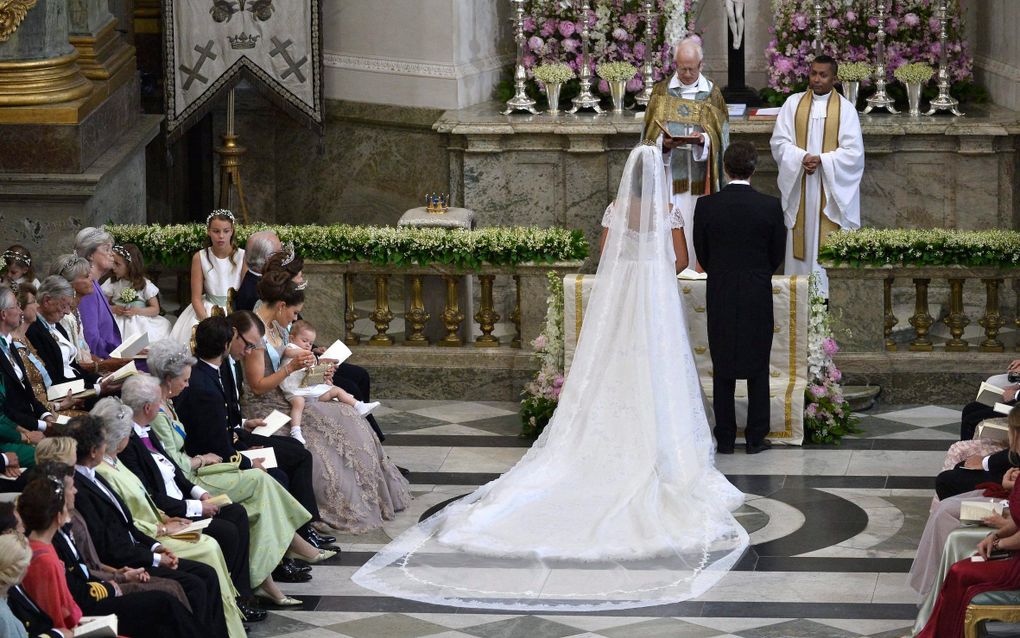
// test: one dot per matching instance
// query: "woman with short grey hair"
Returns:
(76, 270)
(274, 515)
(115, 418)
(168, 360)
(97, 322)
(58, 347)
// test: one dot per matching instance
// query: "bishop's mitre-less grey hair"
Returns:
(115, 418)
(140, 389)
(167, 359)
(89, 239)
(54, 287)
(260, 247)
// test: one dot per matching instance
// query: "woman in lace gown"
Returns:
(618, 503)
(357, 487)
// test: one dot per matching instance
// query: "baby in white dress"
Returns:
(297, 386)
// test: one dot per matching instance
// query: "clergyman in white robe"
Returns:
(836, 182)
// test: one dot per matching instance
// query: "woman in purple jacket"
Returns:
(98, 324)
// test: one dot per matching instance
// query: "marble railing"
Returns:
(924, 361)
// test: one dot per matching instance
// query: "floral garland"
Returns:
(923, 247)
(542, 393)
(912, 29)
(497, 245)
(827, 414)
(553, 28)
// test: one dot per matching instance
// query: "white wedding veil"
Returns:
(618, 503)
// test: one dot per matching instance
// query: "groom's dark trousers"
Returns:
(740, 240)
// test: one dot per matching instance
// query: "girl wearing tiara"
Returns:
(18, 267)
(133, 298)
(214, 271)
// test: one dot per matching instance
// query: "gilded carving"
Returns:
(12, 12)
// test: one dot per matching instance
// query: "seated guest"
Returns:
(77, 271)
(34, 620)
(348, 377)
(62, 449)
(97, 320)
(115, 420)
(210, 410)
(18, 267)
(968, 578)
(14, 557)
(22, 416)
(121, 543)
(360, 487)
(256, 252)
(274, 513)
(975, 412)
(34, 365)
(974, 470)
(94, 596)
(176, 496)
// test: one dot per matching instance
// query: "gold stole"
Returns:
(830, 142)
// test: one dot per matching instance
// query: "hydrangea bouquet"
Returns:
(912, 35)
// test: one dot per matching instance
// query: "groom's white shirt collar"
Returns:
(738, 181)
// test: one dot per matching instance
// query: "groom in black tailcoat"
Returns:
(740, 240)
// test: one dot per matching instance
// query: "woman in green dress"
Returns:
(115, 419)
(274, 515)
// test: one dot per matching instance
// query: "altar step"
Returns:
(861, 397)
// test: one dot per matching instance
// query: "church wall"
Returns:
(422, 53)
(992, 29)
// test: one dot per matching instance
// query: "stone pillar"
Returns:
(72, 150)
(38, 68)
(104, 56)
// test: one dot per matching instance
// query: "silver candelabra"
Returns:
(944, 102)
(520, 101)
(818, 27)
(647, 70)
(585, 100)
(880, 100)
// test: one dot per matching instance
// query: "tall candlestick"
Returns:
(944, 102)
(880, 100)
(520, 101)
(818, 27)
(647, 70)
(585, 100)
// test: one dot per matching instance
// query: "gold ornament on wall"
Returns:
(12, 12)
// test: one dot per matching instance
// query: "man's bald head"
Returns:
(259, 247)
(687, 59)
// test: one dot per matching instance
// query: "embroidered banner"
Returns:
(210, 45)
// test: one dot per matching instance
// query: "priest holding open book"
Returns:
(687, 117)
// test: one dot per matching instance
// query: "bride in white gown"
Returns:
(618, 504)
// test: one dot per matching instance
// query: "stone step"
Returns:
(861, 397)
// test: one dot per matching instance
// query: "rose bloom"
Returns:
(549, 27)
(566, 29)
(851, 16)
(570, 44)
(830, 346)
(535, 43)
(783, 65)
(539, 342)
(833, 23)
(934, 25)
(799, 21)
(818, 391)
(619, 33)
(812, 409)
(911, 20)
(529, 24)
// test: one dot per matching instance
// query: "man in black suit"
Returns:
(740, 240)
(95, 597)
(20, 403)
(211, 411)
(119, 543)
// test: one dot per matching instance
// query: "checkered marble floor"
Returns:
(833, 532)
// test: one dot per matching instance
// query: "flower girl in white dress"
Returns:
(214, 271)
(134, 300)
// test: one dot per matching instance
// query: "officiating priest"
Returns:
(819, 150)
(692, 109)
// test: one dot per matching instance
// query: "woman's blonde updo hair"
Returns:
(62, 449)
(14, 557)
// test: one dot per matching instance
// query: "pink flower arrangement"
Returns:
(830, 346)
(553, 33)
(912, 36)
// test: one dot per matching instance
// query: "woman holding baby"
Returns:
(356, 486)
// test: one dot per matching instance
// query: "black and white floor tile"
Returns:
(833, 531)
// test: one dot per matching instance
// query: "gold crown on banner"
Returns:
(437, 203)
(243, 40)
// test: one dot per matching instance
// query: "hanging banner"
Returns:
(210, 45)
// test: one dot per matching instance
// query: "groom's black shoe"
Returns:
(722, 449)
(761, 446)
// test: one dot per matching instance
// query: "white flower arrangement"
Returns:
(497, 245)
(914, 72)
(676, 25)
(616, 71)
(542, 394)
(127, 295)
(557, 73)
(923, 247)
(854, 71)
